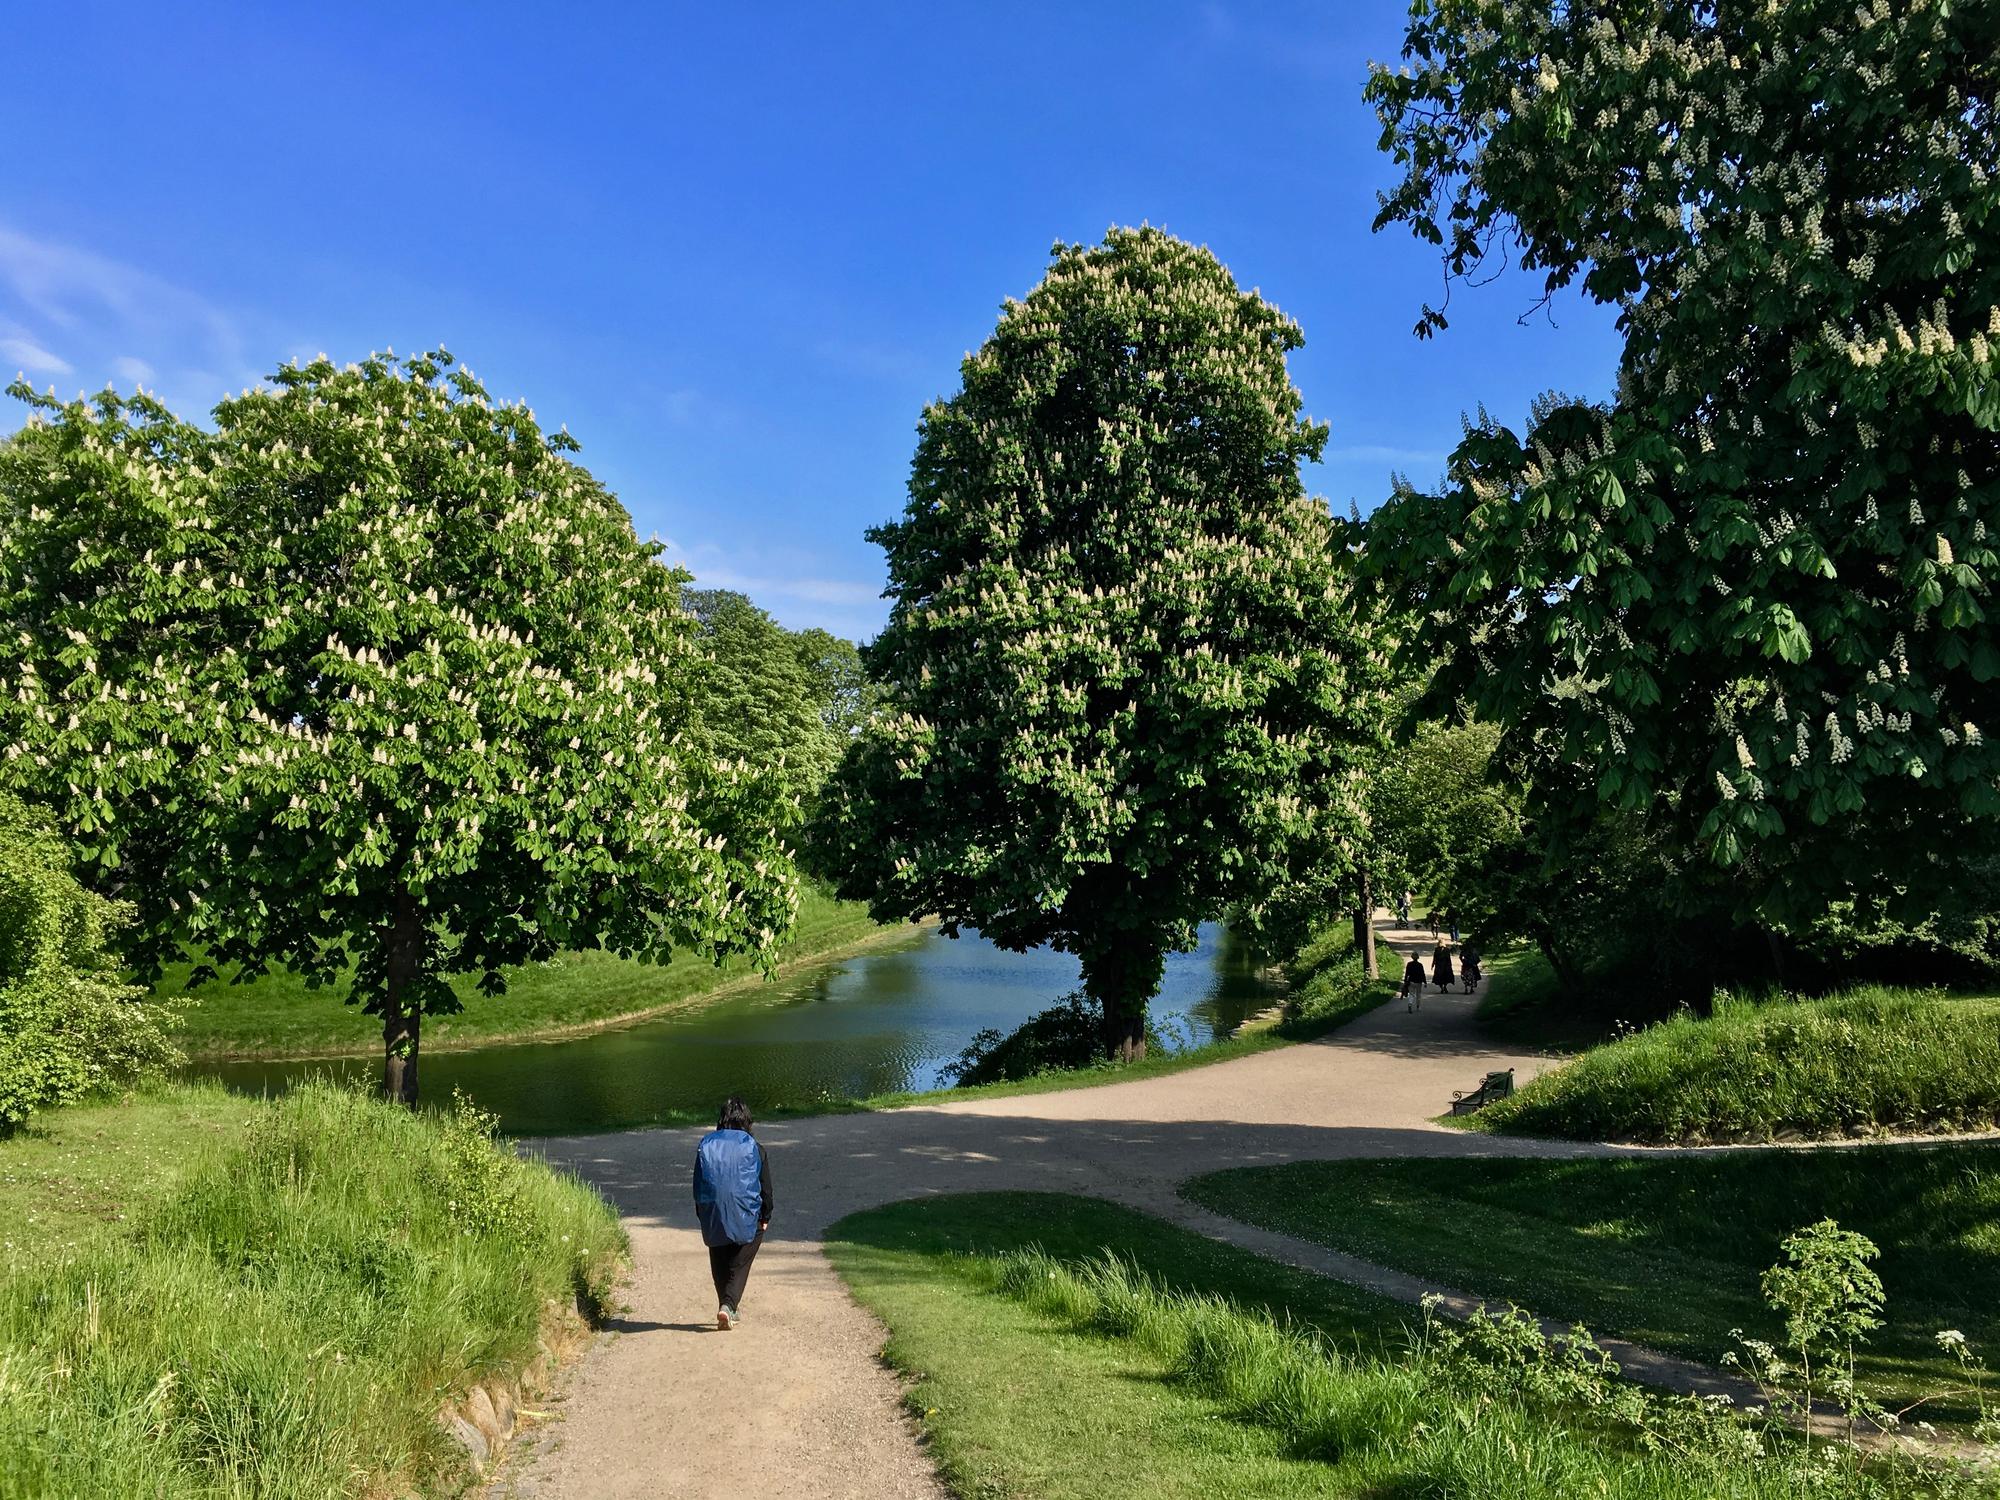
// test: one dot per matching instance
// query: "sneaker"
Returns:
(736, 1315)
(724, 1317)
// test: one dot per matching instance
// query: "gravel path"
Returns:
(795, 1402)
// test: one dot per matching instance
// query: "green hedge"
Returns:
(1868, 1062)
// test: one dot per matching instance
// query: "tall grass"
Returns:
(1870, 1061)
(288, 1322)
(1494, 1411)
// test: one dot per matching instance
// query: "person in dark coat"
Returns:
(1413, 983)
(1441, 968)
(732, 1199)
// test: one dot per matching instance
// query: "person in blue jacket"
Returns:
(732, 1199)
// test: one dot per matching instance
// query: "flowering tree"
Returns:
(373, 678)
(1749, 596)
(760, 701)
(1120, 663)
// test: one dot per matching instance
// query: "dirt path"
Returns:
(795, 1402)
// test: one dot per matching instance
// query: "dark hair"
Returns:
(735, 1114)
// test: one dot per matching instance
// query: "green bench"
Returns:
(1493, 1086)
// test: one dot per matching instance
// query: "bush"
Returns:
(1869, 1061)
(1067, 1036)
(288, 1323)
(68, 1026)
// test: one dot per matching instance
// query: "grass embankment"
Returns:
(1868, 1062)
(278, 1016)
(1039, 1367)
(213, 1297)
(1665, 1251)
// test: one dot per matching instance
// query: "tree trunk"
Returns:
(1776, 946)
(1364, 928)
(402, 1019)
(1566, 972)
(1121, 980)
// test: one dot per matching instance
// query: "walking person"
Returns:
(732, 1199)
(1413, 983)
(1441, 969)
(1451, 921)
(1403, 909)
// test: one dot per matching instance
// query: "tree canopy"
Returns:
(374, 677)
(1122, 674)
(764, 696)
(1747, 597)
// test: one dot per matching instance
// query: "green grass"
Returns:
(1062, 1373)
(73, 1175)
(1665, 1250)
(1524, 1005)
(1870, 1061)
(278, 1016)
(284, 1309)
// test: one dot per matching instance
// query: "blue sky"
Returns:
(735, 249)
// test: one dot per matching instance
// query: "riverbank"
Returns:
(279, 1018)
(1323, 988)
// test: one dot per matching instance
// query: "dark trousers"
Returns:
(730, 1266)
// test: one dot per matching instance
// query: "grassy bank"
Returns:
(1059, 1372)
(1867, 1062)
(278, 1016)
(1666, 1251)
(292, 1292)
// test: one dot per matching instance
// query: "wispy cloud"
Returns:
(114, 321)
(31, 358)
(1379, 453)
(877, 361)
(65, 285)
(851, 607)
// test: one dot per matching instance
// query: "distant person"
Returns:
(1432, 917)
(1413, 983)
(1441, 968)
(1468, 967)
(1403, 909)
(732, 1199)
(1451, 921)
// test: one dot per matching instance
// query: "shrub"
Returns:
(1868, 1061)
(1067, 1036)
(68, 1026)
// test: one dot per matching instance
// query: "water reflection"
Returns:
(871, 1024)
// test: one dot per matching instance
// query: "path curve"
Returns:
(796, 1403)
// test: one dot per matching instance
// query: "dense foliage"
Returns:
(374, 677)
(766, 696)
(1748, 597)
(68, 1024)
(287, 1322)
(1123, 676)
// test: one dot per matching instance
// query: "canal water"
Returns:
(874, 1023)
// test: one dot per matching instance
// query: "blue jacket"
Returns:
(732, 1187)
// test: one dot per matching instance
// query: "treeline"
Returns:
(373, 679)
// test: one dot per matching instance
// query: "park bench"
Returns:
(1493, 1086)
